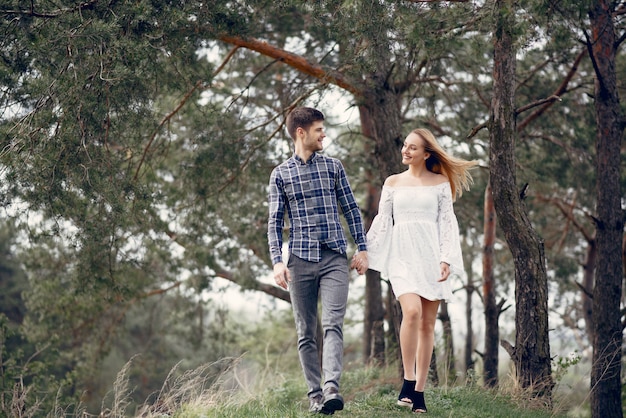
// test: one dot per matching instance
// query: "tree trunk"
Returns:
(433, 374)
(448, 342)
(373, 324)
(394, 319)
(492, 332)
(381, 127)
(469, 325)
(531, 354)
(607, 292)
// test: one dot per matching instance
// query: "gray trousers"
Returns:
(327, 279)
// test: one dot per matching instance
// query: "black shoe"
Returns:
(332, 401)
(406, 393)
(316, 403)
(419, 404)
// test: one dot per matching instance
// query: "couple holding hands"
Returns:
(413, 242)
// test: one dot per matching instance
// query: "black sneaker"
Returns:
(316, 404)
(332, 401)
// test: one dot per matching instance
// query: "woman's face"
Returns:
(413, 150)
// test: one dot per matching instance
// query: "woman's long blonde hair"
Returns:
(455, 169)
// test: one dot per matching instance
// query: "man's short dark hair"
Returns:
(302, 117)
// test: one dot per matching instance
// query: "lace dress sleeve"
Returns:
(449, 242)
(379, 234)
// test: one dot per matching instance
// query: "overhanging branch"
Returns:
(556, 96)
(269, 289)
(293, 60)
(227, 275)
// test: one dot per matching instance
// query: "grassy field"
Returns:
(369, 392)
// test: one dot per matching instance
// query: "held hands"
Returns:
(445, 271)
(360, 262)
(281, 275)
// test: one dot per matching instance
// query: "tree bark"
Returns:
(531, 354)
(379, 121)
(373, 323)
(469, 325)
(607, 291)
(394, 319)
(433, 374)
(492, 332)
(448, 342)
(374, 314)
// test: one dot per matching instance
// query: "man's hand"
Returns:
(360, 262)
(281, 275)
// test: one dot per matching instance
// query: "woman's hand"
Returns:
(360, 262)
(445, 271)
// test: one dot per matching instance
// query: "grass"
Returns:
(368, 392)
(245, 391)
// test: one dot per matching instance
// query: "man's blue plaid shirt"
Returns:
(312, 192)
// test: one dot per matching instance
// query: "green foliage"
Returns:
(563, 364)
(12, 278)
(138, 170)
(87, 147)
(24, 366)
(24, 374)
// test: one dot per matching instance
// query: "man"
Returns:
(311, 188)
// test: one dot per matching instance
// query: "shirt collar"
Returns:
(311, 159)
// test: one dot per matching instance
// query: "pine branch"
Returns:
(547, 100)
(293, 60)
(165, 120)
(225, 61)
(476, 129)
(567, 210)
(546, 103)
(52, 14)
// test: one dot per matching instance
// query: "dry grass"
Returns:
(16, 406)
(201, 387)
(230, 388)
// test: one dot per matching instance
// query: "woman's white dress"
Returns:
(416, 229)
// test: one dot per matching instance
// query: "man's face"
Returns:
(313, 138)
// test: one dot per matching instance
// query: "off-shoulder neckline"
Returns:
(421, 186)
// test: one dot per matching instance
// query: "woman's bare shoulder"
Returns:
(392, 180)
(437, 179)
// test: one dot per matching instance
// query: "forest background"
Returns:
(138, 138)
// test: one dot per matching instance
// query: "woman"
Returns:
(414, 242)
